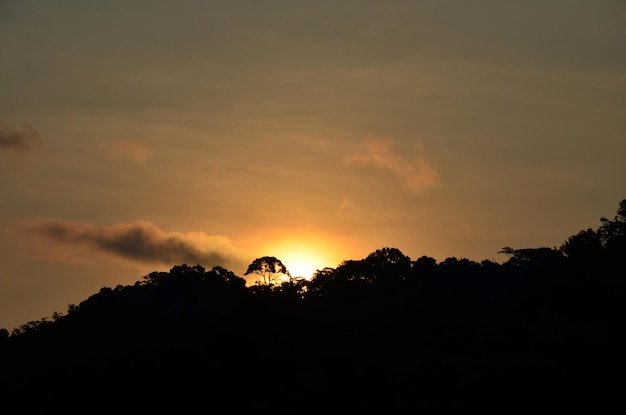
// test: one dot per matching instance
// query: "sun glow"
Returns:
(304, 255)
(300, 264)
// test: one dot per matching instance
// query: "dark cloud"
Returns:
(25, 138)
(140, 241)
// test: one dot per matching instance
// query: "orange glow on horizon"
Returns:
(304, 254)
(301, 264)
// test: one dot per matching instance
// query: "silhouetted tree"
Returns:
(424, 266)
(387, 267)
(344, 284)
(613, 235)
(322, 283)
(531, 256)
(354, 271)
(584, 251)
(228, 277)
(269, 269)
(293, 289)
(455, 266)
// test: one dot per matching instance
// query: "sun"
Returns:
(300, 264)
(303, 255)
(303, 252)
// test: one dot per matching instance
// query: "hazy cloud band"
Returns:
(25, 138)
(140, 241)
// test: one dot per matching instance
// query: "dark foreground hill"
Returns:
(541, 332)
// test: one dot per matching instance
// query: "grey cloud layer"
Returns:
(140, 241)
(18, 139)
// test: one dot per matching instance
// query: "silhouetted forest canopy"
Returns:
(541, 331)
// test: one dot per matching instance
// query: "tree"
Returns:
(424, 266)
(270, 269)
(387, 266)
(613, 233)
(531, 256)
(228, 277)
(584, 248)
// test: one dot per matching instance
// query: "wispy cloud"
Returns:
(127, 150)
(18, 139)
(140, 241)
(347, 209)
(416, 173)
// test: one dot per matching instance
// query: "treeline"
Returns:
(384, 332)
(593, 259)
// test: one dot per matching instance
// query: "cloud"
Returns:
(347, 209)
(140, 241)
(127, 149)
(21, 139)
(379, 154)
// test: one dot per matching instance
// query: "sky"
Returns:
(139, 135)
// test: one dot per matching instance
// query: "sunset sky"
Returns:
(138, 135)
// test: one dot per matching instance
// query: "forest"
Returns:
(537, 332)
